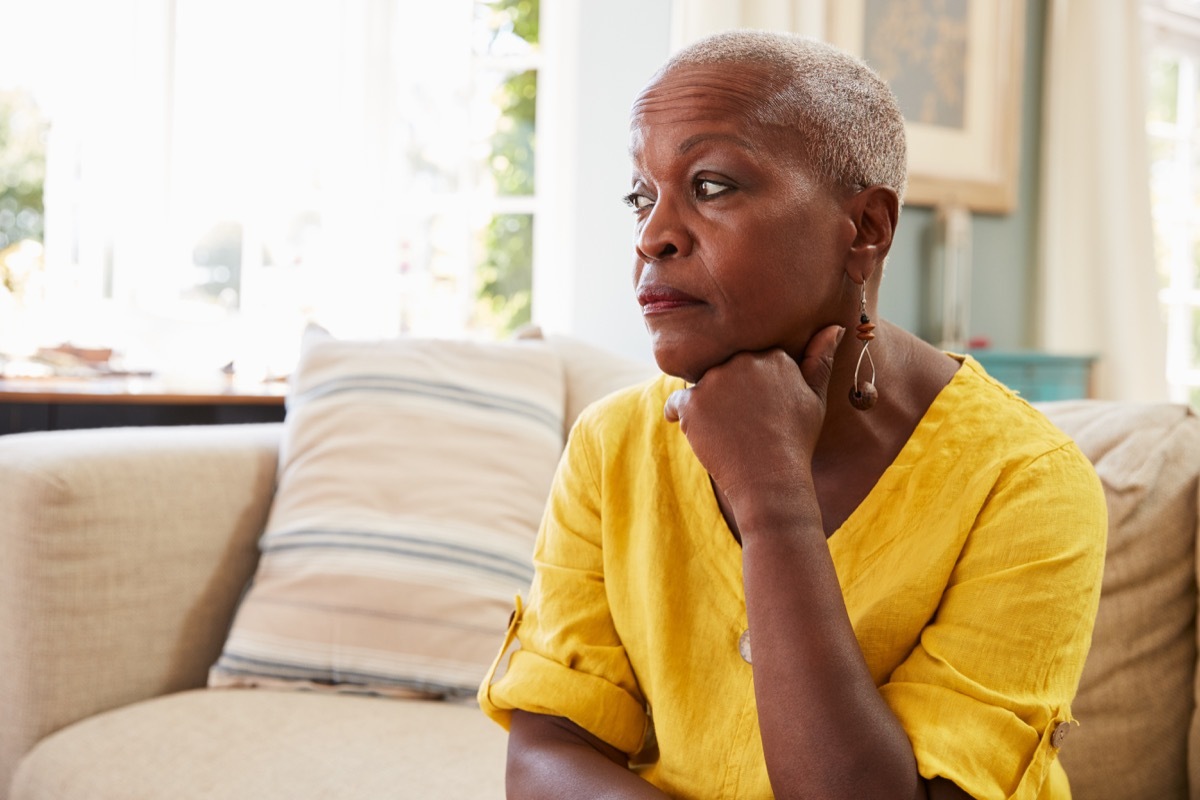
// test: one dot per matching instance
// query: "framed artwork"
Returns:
(956, 68)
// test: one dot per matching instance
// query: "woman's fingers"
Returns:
(816, 365)
(673, 410)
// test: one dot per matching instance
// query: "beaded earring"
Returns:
(863, 398)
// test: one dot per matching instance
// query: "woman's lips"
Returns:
(659, 299)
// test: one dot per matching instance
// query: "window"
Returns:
(1173, 130)
(22, 206)
(225, 171)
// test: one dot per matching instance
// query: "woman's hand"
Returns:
(754, 420)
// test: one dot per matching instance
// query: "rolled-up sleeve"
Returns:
(985, 696)
(562, 655)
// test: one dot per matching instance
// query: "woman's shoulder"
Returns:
(996, 426)
(996, 411)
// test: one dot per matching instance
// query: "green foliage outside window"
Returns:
(522, 15)
(22, 178)
(505, 272)
(512, 144)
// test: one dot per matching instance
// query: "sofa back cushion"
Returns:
(1137, 694)
(592, 373)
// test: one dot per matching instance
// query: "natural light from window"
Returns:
(190, 182)
(1173, 130)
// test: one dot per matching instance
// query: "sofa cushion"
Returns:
(411, 481)
(592, 373)
(214, 744)
(1136, 696)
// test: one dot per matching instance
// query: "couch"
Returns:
(124, 554)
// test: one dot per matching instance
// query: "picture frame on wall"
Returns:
(956, 67)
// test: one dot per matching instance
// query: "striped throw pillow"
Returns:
(411, 482)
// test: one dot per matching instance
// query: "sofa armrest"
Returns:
(123, 554)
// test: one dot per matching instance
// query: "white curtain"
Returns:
(1097, 283)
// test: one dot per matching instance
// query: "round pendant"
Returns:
(864, 399)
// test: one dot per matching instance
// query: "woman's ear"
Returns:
(874, 211)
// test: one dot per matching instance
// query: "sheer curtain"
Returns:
(1097, 280)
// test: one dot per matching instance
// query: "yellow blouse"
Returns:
(971, 573)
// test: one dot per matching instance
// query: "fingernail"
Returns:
(840, 334)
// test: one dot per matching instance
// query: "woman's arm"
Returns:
(571, 662)
(826, 730)
(553, 758)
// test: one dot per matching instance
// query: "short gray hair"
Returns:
(847, 117)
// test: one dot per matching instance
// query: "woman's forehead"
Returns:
(700, 91)
(706, 101)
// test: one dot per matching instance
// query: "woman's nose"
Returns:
(663, 234)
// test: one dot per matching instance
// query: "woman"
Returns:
(760, 575)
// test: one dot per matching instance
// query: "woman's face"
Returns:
(739, 245)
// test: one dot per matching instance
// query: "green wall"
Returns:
(1004, 246)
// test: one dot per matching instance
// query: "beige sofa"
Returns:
(123, 554)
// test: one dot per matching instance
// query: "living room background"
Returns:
(354, 242)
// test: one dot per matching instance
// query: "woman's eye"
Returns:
(637, 201)
(707, 188)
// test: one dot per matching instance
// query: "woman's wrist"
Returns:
(776, 507)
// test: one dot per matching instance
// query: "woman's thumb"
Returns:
(817, 364)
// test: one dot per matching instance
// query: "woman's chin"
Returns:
(690, 365)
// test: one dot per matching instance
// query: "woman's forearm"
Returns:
(826, 730)
(551, 758)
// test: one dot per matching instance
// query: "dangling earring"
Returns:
(863, 398)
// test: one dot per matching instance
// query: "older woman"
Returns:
(818, 557)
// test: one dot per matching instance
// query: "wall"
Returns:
(599, 56)
(1003, 259)
(605, 52)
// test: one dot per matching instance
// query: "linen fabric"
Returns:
(971, 574)
(123, 552)
(1136, 693)
(592, 373)
(236, 745)
(412, 477)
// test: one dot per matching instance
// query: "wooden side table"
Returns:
(37, 404)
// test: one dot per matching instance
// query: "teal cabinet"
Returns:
(1039, 376)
